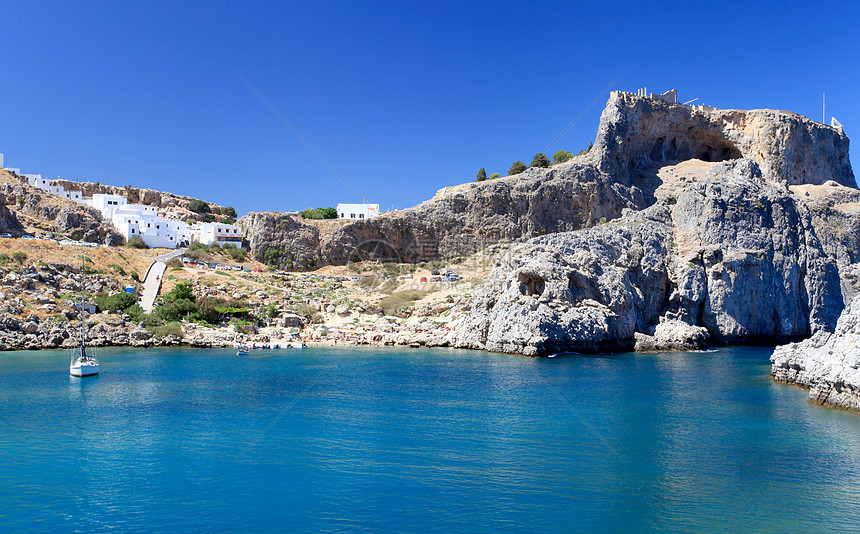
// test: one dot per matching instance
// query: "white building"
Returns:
(357, 211)
(133, 220)
(108, 203)
(36, 180)
(219, 234)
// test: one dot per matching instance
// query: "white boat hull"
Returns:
(86, 369)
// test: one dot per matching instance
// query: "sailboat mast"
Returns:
(83, 324)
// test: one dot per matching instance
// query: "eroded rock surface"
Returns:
(735, 260)
(828, 363)
(635, 135)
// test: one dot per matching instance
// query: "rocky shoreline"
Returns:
(827, 364)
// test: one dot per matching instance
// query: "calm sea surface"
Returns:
(169, 440)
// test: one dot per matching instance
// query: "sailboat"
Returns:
(83, 364)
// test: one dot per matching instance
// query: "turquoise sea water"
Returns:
(170, 440)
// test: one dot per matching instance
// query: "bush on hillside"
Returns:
(540, 160)
(561, 156)
(198, 206)
(136, 242)
(482, 175)
(229, 211)
(516, 168)
(319, 213)
(115, 302)
(494, 176)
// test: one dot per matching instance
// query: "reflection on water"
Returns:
(430, 440)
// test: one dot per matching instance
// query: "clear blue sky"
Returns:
(401, 98)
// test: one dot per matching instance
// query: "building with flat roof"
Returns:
(357, 211)
(219, 234)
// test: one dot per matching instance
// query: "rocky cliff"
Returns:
(828, 364)
(736, 259)
(57, 214)
(135, 195)
(636, 135)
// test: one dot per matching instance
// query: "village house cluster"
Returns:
(136, 220)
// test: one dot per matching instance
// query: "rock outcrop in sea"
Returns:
(828, 363)
(730, 255)
(734, 260)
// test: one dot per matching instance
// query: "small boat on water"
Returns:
(242, 350)
(83, 363)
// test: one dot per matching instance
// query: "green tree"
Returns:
(482, 175)
(229, 211)
(198, 206)
(540, 160)
(516, 168)
(319, 213)
(116, 302)
(494, 176)
(561, 156)
(177, 303)
(136, 242)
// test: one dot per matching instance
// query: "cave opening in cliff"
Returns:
(531, 285)
(717, 152)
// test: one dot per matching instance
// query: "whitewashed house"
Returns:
(133, 220)
(219, 234)
(108, 203)
(36, 180)
(357, 211)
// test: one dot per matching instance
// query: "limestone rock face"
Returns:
(65, 216)
(736, 259)
(586, 291)
(8, 221)
(635, 134)
(282, 240)
(827, 363)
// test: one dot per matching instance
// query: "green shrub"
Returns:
(170, 329)
(136, 242)
(229, 211)
(516, 168)
(135, 313)
(135, 276)
(319, 213)
(115, 302)
(198, 206)
(494, 176)
(540, 160)
(561, 156)
(482, 175)
(118, 268)
(19, 257)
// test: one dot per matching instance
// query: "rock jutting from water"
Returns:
(828, 363)
(734, 260)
